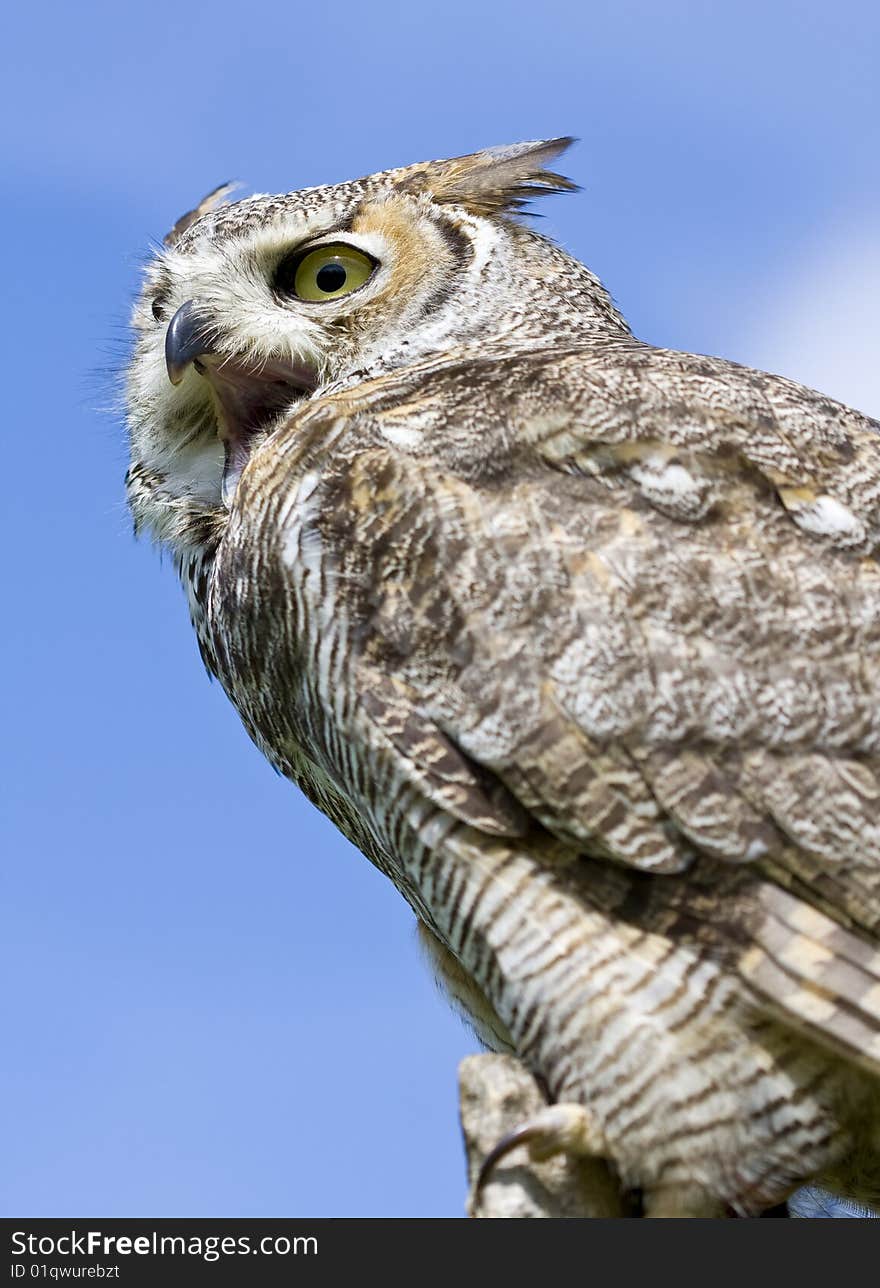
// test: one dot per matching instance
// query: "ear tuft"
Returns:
(492, 182)
(214, 198)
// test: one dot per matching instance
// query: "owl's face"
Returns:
(253, 307)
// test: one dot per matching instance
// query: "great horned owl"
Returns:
(576, 638)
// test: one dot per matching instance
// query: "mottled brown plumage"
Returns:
(577, 639)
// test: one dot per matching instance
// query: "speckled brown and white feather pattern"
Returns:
(579, 641)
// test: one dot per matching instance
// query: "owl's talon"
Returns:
(558, 1129)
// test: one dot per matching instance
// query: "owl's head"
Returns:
(252, 307)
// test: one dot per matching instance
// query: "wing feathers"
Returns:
(816, 973)
(438, 767)
(643, 596)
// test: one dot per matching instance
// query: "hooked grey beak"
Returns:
(185, 340)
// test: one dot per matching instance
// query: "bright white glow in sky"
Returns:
(823, 325)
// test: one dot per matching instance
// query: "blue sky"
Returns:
(212, 1004)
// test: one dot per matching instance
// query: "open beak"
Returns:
(250, 394)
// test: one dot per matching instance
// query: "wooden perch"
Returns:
(496, 1094)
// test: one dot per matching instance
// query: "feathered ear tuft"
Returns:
(214, 198)
(492, 182)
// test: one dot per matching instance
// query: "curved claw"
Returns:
(519, 1136)
(563, 1128)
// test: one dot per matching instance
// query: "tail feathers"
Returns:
(813, 1202)
(818, 974)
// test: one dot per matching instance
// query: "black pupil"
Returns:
(331, 277)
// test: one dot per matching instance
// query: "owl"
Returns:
(576, 638)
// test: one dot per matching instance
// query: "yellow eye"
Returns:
(325, 273)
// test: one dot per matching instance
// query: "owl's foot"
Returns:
(558, 1129)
